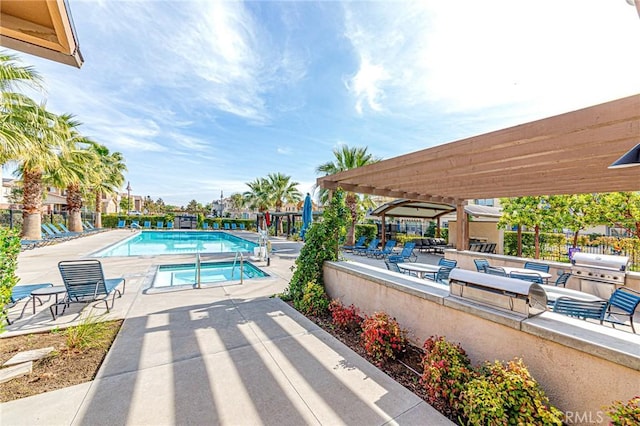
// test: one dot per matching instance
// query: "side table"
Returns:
(48, 291)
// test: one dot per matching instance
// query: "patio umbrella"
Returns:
(307, 216)
(267, 219)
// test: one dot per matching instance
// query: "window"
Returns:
(484, 202)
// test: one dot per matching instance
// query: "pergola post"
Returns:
(462, 221)
(437, 234)
(384, 230)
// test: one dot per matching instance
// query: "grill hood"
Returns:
(614, 263)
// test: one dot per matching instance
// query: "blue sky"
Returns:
(204, 96)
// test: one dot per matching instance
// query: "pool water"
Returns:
(148, 243)
(210, 272)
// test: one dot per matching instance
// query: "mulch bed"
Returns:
(62, 368)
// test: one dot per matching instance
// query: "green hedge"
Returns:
(528, 243)
(368, 230)
(9, 251)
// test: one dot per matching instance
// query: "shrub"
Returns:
(382, 337)
(345, 317)
(446, 371)
(368, 230)
(502, 395)
(90, 333)
(314, 300)
(9, 251)
(625, 414)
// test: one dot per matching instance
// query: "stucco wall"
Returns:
(577, 375)
(482, 230)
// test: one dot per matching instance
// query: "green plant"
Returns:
(368, 230)
(625, 414)
(322, 239)
(90, 333)
(504, 395)
(345, 317)
(314, 300)
(446, 371)
(9, 251)
(383, 338)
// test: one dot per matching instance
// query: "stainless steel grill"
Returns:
(599, 274)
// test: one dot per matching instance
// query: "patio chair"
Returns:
(147, 224)
(53, 235)
(386, 250)
(407, 253)
(580, 308)
(20, 292)
(393, 266)
(358, 244)
(216, 226)
(362, 251)
(562, 279)
(532, 277)
(623, 302)
(492, 270)
(65, 230)
(160, 224)
(122, 224)
(205, 226)
(481, 264)
(169, 225)
(442, 276)
(242, 227)
(537, 266)
(85, 283)
(135, 224)
(448, 263)
(234, 227)
(227, 227)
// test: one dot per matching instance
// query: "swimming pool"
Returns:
(169, 276)
(148, 243)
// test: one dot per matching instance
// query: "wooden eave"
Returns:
(40, 27)
(564, 154)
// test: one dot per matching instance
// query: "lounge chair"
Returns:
(135, 224)
(407, 253)
(65, 230)
(122, 224)
(393, 265)
(216, 226)
(53, 235)
(147, 224)
(159, 224)
(481, 264)
(234, 227)
(169, 225)
(386, 250)
(227, 227)
(242, 227)
(373, 246)
(20, 292)
(205, 226)
(85, 283)
(359, 244)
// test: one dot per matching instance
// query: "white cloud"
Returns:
(469, 55)
(283, 150)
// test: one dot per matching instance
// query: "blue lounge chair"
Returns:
(242, 227)
(234, 227)
(226, 227)
(386, 250)
(122, 224)
(159, 224)
(373, 245)
(147, 224)
(135, 224)
(53, 235)
(169, 225)
(392, 264)
(216, 226)
(407, 253)
(205, 226)
(65, 230)
(85, 283)
(359, 244)
(20, 292)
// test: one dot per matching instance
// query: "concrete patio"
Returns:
(218, 355)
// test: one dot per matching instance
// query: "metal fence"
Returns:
(12, 218)
(561, 253)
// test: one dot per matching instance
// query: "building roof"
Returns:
(564, 154)
(42, 28)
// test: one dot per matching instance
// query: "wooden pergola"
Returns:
(564, 154)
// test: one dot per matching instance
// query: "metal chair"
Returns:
(492, 270)
(562, 279)
(623, 302)
(537, 266)
(533, 277)
(481, 264)
(580, 308)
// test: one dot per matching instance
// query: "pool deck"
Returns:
(218, 355)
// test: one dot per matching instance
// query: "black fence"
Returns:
(12, 218)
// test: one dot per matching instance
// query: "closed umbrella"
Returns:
(307, 216)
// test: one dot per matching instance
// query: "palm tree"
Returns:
(237, 202)
(346, 159)
(111, 168)
(16, 110)
(257, 198)
(281, 191)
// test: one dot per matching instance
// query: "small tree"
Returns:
(9, 250)
(620, 209)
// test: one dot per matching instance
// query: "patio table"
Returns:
(421, 269)
(48, 291)
(553, 293)
(509, 269)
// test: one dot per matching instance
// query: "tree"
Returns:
(110, 177)
(620, 209)
(257, 198)
(236, 201)
(346, 159)
(280, 191)
(533, 212)
(576, 212)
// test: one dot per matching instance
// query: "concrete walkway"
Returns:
(219, 355)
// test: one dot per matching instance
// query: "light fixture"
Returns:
(631, 158)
